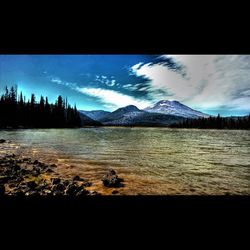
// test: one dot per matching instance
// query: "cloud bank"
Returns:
(209, 82)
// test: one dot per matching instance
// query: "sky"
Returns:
(209, 83)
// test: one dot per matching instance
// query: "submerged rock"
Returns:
(111, 179)
(78, 178)
(2, 140)
(87, 184)
(49, 170)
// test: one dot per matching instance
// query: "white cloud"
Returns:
(112, 83)
(104, 80)
(211, 80)
(56, 80)
(112, 98)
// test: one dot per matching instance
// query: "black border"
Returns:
(223, 213)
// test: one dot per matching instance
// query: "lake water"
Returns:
(151, 160)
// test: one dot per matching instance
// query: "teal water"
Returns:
(151, 160)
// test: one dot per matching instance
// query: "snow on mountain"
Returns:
(132, 116)
(174, 108)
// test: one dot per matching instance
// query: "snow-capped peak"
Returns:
(175, 108)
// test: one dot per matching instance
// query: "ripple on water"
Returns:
(152, 161)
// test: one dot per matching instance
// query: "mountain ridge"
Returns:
(163, 113)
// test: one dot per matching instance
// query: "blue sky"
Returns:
(210, 83)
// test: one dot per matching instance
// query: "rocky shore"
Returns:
(27, 177)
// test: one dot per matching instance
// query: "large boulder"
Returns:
(74, 189)
(111, 179)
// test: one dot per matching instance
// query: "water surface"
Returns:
(151, 160)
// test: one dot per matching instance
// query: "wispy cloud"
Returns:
(113, 99)
(57, 80)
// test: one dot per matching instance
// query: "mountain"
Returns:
(163, 113)
(95, 114)
(132, 116)
(175, 108)
(125, 112)
(87, 121)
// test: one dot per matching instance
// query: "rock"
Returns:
(115, 192)
(55, 181)
(82, 192)
(111, 179)
(92, 193)
(66, 183)
(87, 184)
(2, 140)
(31, 184)
(78, 178)
(16, 168)
(49, 170)
(12, 185)
(11, 156)
(53, 166)
(26, 159)
(112, 172)
(36, 162)
(73, 189)
(31, 193)
(35, 174)
(24, 171)
(47, 192)
(2, 190)
(19, 179)
(58, 187)
(57, 193)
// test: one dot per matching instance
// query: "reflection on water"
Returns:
(151, 160)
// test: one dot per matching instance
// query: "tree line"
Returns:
(16, 112)
(215, 123)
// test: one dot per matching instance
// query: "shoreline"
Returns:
(122, 126)
(27, 176)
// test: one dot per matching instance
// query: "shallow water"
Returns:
(151, 160)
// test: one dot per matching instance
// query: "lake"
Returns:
(152, 161)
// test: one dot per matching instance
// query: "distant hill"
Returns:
(163, 113)
(175, 108)
(87, 121)
(132, 116)
(95, 114)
